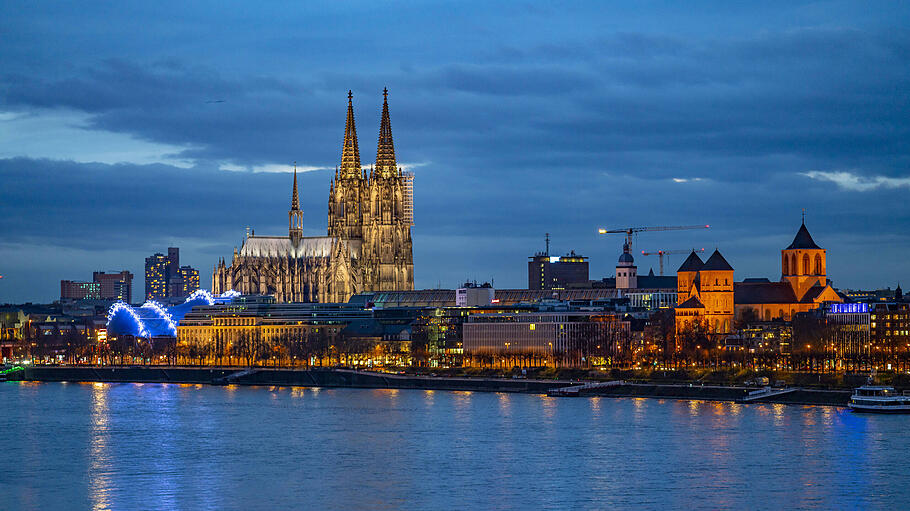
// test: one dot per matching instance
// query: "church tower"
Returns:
(295, 215)
(387, 249)
(346, 189)
(626, 271)
(803, 263)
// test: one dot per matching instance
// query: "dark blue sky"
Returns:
(517, 119)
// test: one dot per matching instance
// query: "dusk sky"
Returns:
(126, 128)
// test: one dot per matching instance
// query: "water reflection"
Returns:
(99, 468)
(178, 447)
(505, 405)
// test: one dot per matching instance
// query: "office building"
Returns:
(104, 286)
(556, 272)
(79, 290)
(114, 286)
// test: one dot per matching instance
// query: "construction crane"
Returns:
(629, 231)
(661, 253)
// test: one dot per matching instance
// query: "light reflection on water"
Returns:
(152, 446)
(99, 481)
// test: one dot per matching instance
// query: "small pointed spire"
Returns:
(350, 153)
(295, 202)
(385, 152)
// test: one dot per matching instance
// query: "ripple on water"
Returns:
(124, 446)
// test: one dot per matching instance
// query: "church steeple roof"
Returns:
(350, 153)
(717, 262)
(295, 201)
(803, 239)
(692, 263)
(385, 151)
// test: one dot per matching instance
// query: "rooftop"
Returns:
(803, 240)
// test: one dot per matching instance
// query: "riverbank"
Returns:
(329, 378)
(346, 378)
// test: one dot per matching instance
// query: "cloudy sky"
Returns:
(128, 127)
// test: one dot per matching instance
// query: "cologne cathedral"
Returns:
(368, 246)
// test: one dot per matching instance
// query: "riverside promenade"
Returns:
(347, 378)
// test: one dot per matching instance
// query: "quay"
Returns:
(349, 378)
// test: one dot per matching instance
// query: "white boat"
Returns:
(879, 399)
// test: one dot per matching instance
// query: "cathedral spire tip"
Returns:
(350, 153)
(295, 201)
(385, 152)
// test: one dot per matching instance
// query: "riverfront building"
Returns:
(261, 318)
(545, 338)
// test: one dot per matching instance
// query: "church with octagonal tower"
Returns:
(368, 244)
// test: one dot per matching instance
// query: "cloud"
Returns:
(270, 167)
(858, 183)
(26, 134)
(604, 114)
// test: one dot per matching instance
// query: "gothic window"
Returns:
(784, 265)
(818, 265)
(793, 269)
(806, 264)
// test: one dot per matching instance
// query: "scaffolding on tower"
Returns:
(408, 196)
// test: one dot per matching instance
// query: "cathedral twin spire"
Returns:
(350, 153)
(386, 166)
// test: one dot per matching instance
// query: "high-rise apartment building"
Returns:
(156, 277)
(165, 278)
(187, 281)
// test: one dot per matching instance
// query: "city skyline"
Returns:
(655, 116)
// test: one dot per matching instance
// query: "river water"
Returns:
(153, 446)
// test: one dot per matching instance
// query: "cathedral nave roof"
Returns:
(750, 293)
(281, 246)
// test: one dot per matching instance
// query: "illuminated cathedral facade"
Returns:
(368, 244)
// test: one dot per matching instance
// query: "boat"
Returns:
(878, 399)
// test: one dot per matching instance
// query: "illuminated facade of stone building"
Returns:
(368, 245)
(706, 291)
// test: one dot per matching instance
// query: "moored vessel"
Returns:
(879, 399)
